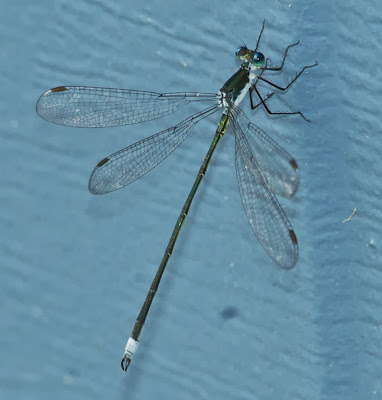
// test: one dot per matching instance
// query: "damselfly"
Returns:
(264, 169)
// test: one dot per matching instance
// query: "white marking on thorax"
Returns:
(242, 94)
(251, 77)
(222, 96)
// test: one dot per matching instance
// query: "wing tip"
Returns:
(40, 101)
(288, 259)
(93, 185)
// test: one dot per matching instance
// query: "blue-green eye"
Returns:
(241, 53)
(258, 59)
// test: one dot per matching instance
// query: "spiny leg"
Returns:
(283, 61)
(262, 101)
(291, 82)
(271, 112)
(254, 84)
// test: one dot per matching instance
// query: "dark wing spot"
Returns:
(293, 164)
(102, 162)
(293, 237)
(58, 89)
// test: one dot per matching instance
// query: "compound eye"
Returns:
(242, 53)
(258, 59)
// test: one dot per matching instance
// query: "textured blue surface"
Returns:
(227, 323)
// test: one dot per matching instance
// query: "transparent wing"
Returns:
(267, 218)
(87, 107)
(278, 167)
(130, 163)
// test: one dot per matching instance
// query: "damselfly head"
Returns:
(256, 58)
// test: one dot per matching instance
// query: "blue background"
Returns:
(226, 323)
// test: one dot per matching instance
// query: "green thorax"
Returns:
(237, 82)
